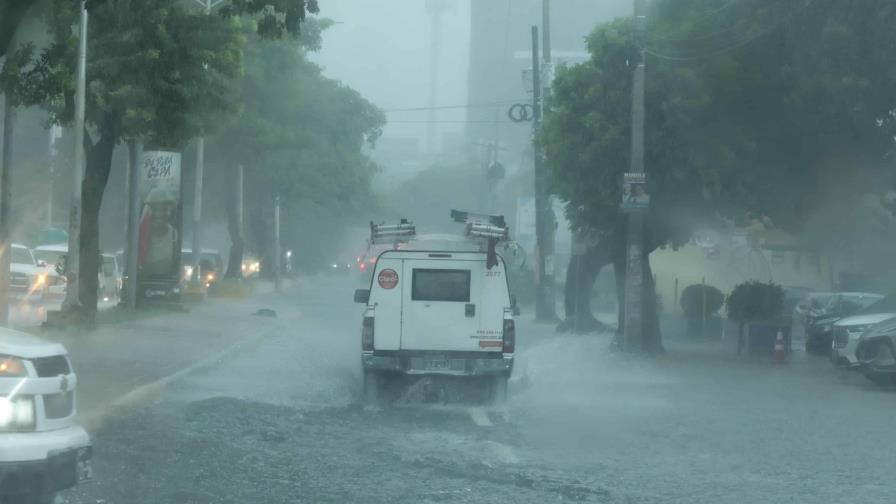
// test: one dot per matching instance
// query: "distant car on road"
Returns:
(876, 353)
(211, 265)
(820, 324)
(110, 288)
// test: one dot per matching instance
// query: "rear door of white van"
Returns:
(442, 302)
(386, 290)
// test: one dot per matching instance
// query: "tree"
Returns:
(299, 135)
(157, 71)
(756, 107)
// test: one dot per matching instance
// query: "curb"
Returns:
(94, 421)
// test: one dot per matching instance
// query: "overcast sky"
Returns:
(382, 49)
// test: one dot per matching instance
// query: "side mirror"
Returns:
(515, 309)
(362, 295)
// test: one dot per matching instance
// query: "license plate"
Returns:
(437, 364)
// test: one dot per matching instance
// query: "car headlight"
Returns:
(11, 367)
(16, 414)
(856, 331)
(40, 279)
(188, 271)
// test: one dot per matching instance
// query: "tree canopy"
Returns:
(774, 108)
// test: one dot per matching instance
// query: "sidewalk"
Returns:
(130, 361)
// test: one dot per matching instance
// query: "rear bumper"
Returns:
(44, 461)
(457, 364)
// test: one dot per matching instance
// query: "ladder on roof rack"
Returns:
(492, 228)
(392, 234)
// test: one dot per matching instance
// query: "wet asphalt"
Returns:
(280, 422)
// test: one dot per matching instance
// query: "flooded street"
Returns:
(281, 421)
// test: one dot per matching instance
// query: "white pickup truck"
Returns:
(42, 450)
(438, 307)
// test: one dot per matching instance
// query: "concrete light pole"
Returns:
(208, 5)
(72, 299)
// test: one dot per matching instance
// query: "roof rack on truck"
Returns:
(392, 233)
(492, 228)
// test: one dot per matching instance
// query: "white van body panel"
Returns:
(413, 321)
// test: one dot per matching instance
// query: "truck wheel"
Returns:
(499, 390)
(371, 388)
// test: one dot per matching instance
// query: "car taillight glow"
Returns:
(367, 334)
(509, 336)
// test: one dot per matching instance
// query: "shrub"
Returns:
(692, 300)
(755, 301)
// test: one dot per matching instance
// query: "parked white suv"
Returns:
(445, 310)
(42, 449)
(847, 331)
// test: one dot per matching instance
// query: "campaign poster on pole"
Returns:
(160, 230)
(634, 193)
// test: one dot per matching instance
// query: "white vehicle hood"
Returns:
(865, 319)
(28, 269)
(26, 346)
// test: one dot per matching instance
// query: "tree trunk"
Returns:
(619, 273)
(651, 336)
(96, 175)
(262, 232)
(237, 243)
(580, 277)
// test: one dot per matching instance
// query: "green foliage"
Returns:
(764, 106)
(755, 301)
(301, 135)
(692, 299)
(156, 70)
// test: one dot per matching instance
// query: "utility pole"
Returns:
(5, 194)
(277, 242)
(207, 5)
(55, 133)
(634, 261)
(133, 228)
(72, 299)
(435, 9)
(545, 310)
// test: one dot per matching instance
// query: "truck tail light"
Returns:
(509, 336)
(367, 335)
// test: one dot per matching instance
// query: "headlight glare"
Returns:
(11, 367)
(16, 414)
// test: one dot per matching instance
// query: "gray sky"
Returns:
(382, 49)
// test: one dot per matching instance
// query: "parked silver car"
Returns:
(876, 353)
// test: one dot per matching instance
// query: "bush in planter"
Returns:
(692, 299)
(752, 302)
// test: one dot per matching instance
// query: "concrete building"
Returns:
(500, 49)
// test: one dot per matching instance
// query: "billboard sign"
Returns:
(634, 192)
(160, 231)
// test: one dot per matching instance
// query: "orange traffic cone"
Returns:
(780, 355)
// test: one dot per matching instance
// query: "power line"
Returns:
(449, 107)
(736, 44)
(698, 22)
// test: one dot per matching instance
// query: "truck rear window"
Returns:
(441, 285)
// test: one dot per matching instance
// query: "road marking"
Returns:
(94, 420)
(480, 417)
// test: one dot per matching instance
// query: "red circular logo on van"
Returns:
(387, 279)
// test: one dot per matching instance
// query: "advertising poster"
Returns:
(160, 231)
(634, 192)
